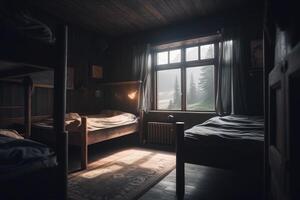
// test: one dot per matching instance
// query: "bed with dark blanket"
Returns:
(27, 168)
(23, 156)
(232, 142)
(226, 142)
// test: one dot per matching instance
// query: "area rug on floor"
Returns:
(123, 175)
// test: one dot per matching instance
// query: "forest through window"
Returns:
(185, 78)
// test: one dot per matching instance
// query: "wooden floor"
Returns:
(204, 183)
(207, 183)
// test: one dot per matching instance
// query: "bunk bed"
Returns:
(23, 53)
(24, 164)
(232, 142)
(90, 129)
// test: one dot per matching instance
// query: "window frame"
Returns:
(183, 65)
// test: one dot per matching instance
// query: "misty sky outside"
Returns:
(199, 80)
(192, 53)
(200, 88)
(169, 89)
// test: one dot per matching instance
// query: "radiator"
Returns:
(161, 133)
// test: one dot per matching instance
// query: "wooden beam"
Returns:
(19, 72)
(17, 81)
(18, 120)
(180, 182)
(60, 82)
(121, 83)
(84, 143)
(27, 106)
(11, 107)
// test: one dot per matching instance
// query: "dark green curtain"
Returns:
(231, 85)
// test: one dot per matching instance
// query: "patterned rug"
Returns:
(123, 175)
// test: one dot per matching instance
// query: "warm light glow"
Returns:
(135, 157)
(132, 95)
(98, 172)
(153, 161)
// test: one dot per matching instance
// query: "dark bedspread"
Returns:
(230, 127)
(226, 142)
(22, 155)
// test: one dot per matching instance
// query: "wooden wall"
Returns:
(254, 76)
(85, 49)
(115, 56)
(120, 52)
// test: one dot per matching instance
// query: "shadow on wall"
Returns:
(122, 96)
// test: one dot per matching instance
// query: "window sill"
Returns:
(181, 112)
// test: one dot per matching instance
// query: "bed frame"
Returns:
(116, 98)
(83, 138)
(186, 153)
(16, 64)
(91, 137)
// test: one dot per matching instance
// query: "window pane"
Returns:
(169, 89)
(200, 88)
(207, 51)
(162, 58)
(175, 56)
(192, 53)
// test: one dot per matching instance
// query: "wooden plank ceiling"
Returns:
(117, 17)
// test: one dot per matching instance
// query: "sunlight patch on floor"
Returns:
(98, 172)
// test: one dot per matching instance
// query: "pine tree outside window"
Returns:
(184, 77)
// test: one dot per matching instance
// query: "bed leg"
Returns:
(84, 159)
(84, 143)
(180, 179)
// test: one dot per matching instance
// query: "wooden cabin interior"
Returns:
(157, 99)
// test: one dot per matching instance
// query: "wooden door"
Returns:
(292, 83)
(277, 132)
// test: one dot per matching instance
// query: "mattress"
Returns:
(104, 120)
(110, 120)
(224, 141)
(19, 156)
(233, 127)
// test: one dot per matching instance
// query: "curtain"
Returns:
(231, 84)
(224, 78)
(142, 67)
(239, 86)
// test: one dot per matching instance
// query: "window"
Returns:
(185, 77)
(162, 58)
(207, 51)
(200, 88)
(169, 89)
(175, 56)
(191, 53)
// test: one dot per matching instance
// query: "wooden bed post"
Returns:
(141, 127)
(84, 144)
(27, 106)
(180, 182)
(60, 80)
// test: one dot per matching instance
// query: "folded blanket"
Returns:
(106, 119)
(72, 122)
(17, 153)
(10, 133)
(109, 120)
